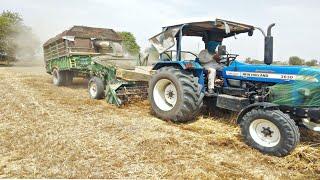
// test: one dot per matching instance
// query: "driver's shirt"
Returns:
(207, 61)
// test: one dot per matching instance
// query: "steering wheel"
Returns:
(232, 57)
(229, 58)
(170, 52)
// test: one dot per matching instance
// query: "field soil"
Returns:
(58, 132)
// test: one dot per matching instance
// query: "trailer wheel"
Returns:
(270, 131)
(175, 94)
(58, 77)
(96, 88)
(69, 77)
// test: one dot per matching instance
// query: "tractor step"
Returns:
(232, 103)
(234, 91)
(73, 63)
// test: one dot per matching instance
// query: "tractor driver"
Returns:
(210, 60)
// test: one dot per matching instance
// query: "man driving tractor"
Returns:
(271, 100)
(210, 60)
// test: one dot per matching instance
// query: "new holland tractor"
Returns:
(272, 100)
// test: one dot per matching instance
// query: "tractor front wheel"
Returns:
(270, 131)
(175, 94)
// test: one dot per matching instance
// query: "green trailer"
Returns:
(96, 54)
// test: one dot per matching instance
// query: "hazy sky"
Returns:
(297, 30)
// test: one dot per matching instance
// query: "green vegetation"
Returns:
(293, 60)
(7, 22)
(313, 62)
(16, 39)
(253, 61)
(129, 43)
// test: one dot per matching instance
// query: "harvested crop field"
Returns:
(58, 132)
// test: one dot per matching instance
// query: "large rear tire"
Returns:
(270, 131)
(175, 94)
(96, 88)
(59, 77)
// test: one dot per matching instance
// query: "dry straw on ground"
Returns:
(58, 132)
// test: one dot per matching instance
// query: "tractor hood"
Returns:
(289, 85)
(272, 73)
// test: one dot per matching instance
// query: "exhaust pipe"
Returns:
(268, 46)
(269, 29)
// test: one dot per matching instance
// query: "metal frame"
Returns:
(245, 28)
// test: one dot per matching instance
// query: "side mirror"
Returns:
(222, 50)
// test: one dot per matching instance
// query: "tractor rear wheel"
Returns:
(270, 131)
(59, 77)
(96, 88)
(175, 94)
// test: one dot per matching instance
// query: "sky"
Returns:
(297, 30)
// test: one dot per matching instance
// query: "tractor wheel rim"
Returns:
(93, 89)
(165, 94)
(265, 133)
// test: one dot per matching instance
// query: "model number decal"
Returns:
(284, 76)
(272, 76)
(262, 75)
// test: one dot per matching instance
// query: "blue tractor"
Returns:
(272, 100)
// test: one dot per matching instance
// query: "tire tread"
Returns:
(290, 130)
(192, 101)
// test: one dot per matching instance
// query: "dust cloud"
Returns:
(28, 50)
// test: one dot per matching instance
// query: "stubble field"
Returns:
(58, 132)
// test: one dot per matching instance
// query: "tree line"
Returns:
(293, 60)
(16, 39)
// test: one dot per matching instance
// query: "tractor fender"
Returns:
(177, 64)
(263, 105)
(195, 67)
